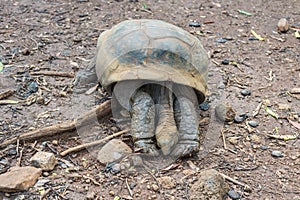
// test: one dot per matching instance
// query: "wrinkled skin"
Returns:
(163, 122)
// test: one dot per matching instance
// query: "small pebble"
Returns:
(204, 106)
(194, 24)
(46, 174)
(239, 119)
(277, 154)
(155, 187)
(264, 147)
(253, 123)
(116, 168)
(225, 62)
(221, 40)
(246, 92)
(283, 25)
(252, 38)
(233, 194)
(33, 87)
(112, 193)
(12, 152)
(221, 86)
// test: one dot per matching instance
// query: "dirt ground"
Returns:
(62, 35)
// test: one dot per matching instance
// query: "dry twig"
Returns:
(128, 187)
(246, 187)
(256, 111)
(54, 73)
(83, 146)
(5, 94)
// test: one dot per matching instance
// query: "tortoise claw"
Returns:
(185, 148)
(147, 146)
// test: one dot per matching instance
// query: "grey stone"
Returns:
(277, 154)
(112, 151)
(253, 123)
(234, 195)
(44, 160)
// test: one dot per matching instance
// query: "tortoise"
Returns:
(158, 72)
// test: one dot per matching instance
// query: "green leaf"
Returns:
(257, 36)
(145, 5)
(245, 12)
(271, 112)
(116, 198)
(1, 66)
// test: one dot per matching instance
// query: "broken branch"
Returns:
(100, 111)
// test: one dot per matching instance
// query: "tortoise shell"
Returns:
(151, 50)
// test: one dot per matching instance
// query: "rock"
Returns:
(234, 195)
(221, 86)
(112, 151)
(221, 40)
(90, 195)
(116, 168)
(253, 123)
(225, 62)
(255, 139)
(204, 106)
(224, 113)
(239, 118)
(283, 25)
(194, 24)
(210, 185)
(264, 147)
(167, 182)
(33, 87)
(19, 179)
(154, 187)
(233, 140)
(277, 154)
(44, 160)
(245, 92)
(283, 106)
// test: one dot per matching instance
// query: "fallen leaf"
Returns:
(297, 34)
(245, 12)
(295, 124)
(271, 112)
(257, 36)
(145, 6)
(116, 198)
(283, 137)
(1, 66)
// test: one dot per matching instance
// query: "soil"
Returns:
(62, 35)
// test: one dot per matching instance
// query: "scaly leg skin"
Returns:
(166, 131)
(143, 123)
(187, 123)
